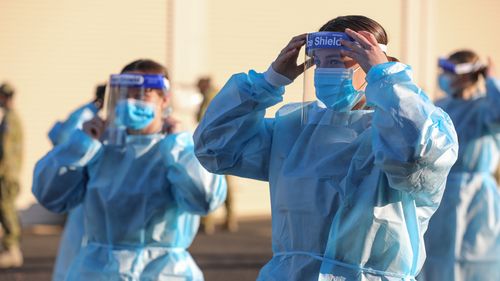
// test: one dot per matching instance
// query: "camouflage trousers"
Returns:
(9, 190)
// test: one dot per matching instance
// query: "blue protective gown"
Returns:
(351, 193)
(72, 237)
(463, 240)
(61, 131)
(141, 204)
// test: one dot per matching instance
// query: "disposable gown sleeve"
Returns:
(60, 177)
(61, 131)
(234, 137)
(414, 142)
(491, 105)
(194, 188)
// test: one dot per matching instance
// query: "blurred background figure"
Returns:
(11, 155)
(208, 91)
(463, 238)
(142, 191)
(73, 235)
(230, 223)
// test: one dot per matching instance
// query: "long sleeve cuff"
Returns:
(382, 75)
(84, 146)
(276, 79)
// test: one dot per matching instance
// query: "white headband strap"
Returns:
(383, 47)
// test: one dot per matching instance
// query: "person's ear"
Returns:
(165, 101)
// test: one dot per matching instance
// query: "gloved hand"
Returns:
(94, 127)
(365, 51)
(490, 69)
(171, 125)
(286, 62)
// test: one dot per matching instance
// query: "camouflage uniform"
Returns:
(11, 154)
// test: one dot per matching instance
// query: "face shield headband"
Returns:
(460, 68)
(327, 39)
(144, 81)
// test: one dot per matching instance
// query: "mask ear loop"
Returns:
(167, 111)
(362, 86)
(360, 89)
(361, 93)
(364, 83)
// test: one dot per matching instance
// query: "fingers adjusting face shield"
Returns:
(451, 71)
(327, 80)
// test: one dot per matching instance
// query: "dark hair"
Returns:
(146, 65)
(358, 23)
(468, 79)
(100, 91)
(7, 90)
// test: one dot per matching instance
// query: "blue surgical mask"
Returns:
(445, 84)
(334, 88)
(134, 114)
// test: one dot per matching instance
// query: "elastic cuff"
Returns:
(84, 145)
(276, 79)
(379, 71)
(385, 75)
(91, 106)
(262, 89)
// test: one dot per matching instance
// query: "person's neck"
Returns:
(468, 93)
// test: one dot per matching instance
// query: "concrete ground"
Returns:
(222, 256)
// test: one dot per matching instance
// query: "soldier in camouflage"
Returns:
(11, 155)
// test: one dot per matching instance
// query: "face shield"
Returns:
(459, 68)
(450, 72)
(129, 104)
(327, 80)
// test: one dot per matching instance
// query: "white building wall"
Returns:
(56, 51)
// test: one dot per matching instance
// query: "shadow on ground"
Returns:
(222, 256)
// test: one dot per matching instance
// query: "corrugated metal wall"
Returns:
(55, 51)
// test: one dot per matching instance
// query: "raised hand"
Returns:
(365, 50)
(286, 62)
(94, 127)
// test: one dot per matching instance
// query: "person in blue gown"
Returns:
(142, 199)
(353, 186)
(463, 240)
(73, 234)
